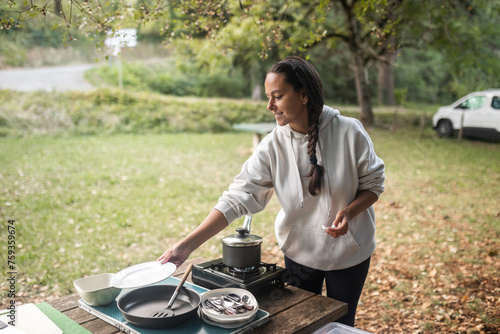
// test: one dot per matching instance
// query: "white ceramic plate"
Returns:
(143, 274)
(233, 318)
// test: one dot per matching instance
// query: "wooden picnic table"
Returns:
(293, 310)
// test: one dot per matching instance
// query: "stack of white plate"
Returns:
(212, 317)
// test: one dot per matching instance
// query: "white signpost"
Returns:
(118, 39)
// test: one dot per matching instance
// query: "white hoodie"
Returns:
(280, 163)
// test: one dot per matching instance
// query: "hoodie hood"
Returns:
(327, 115)
(296, 138)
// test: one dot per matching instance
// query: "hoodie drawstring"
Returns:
(327, 181)
(301, 193)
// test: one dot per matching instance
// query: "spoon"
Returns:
(219, 301)
(168, 312)
(217, 307)
(245, 299)
(232, 297)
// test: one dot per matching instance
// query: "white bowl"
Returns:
(97, 290)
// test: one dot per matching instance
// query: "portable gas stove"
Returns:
(215, 274)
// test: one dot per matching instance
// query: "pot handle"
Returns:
(246, 225)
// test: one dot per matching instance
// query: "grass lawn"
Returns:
(84, 205)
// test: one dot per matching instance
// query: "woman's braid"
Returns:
(316, 171)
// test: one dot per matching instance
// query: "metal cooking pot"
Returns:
(242, 250)
(137, 306)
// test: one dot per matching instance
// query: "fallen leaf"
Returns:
(426, 305)
(464, 299)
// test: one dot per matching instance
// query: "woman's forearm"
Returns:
(178, 253)
(363, 200)
(213, 224)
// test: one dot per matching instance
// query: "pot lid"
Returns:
(242, 239)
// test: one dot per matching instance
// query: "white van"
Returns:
(477, 113)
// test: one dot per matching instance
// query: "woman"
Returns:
(326, 175)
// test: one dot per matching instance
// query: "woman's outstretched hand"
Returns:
(180, 252)
(177, 254)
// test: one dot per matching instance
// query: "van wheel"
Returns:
(444, 129)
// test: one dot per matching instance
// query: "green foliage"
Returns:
(470, 45)
(222, 85)
(166, 79)
(36, 42)
(218, 44)
(421, 74)
(170, 84)
(401, 96)
(12, 55)
(338, 81)
(114, 111)
(135, 76)
(39, 31)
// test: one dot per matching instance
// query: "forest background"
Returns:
(198, 69)
(370, 52)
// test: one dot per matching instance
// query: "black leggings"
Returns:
(344, 285)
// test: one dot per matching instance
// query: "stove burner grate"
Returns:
(215, 274)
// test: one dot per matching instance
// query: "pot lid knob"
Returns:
(242, 231)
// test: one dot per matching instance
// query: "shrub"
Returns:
(113, 111)
(166, 79)
(170, 84)
(222, 85)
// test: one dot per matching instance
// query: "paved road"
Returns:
(60, 78)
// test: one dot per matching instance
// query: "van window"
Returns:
(495, 103)
(473, 103)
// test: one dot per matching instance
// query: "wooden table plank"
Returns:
(99, 326)
(65, 303)
(282, 298)
(305, 317)
(79, 315)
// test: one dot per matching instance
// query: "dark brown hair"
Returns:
(303, 77)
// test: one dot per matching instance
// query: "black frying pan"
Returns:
(138, 305)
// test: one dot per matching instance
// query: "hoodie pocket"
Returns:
(317, 249)
(349, 239)
(288, 240)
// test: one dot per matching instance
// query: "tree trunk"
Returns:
(363, 93)
(385, 84)
(385, 88)
(257, 92)
(58, 9)
(256, 81)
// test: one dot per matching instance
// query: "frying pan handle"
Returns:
(184, 277)
(179, 286)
